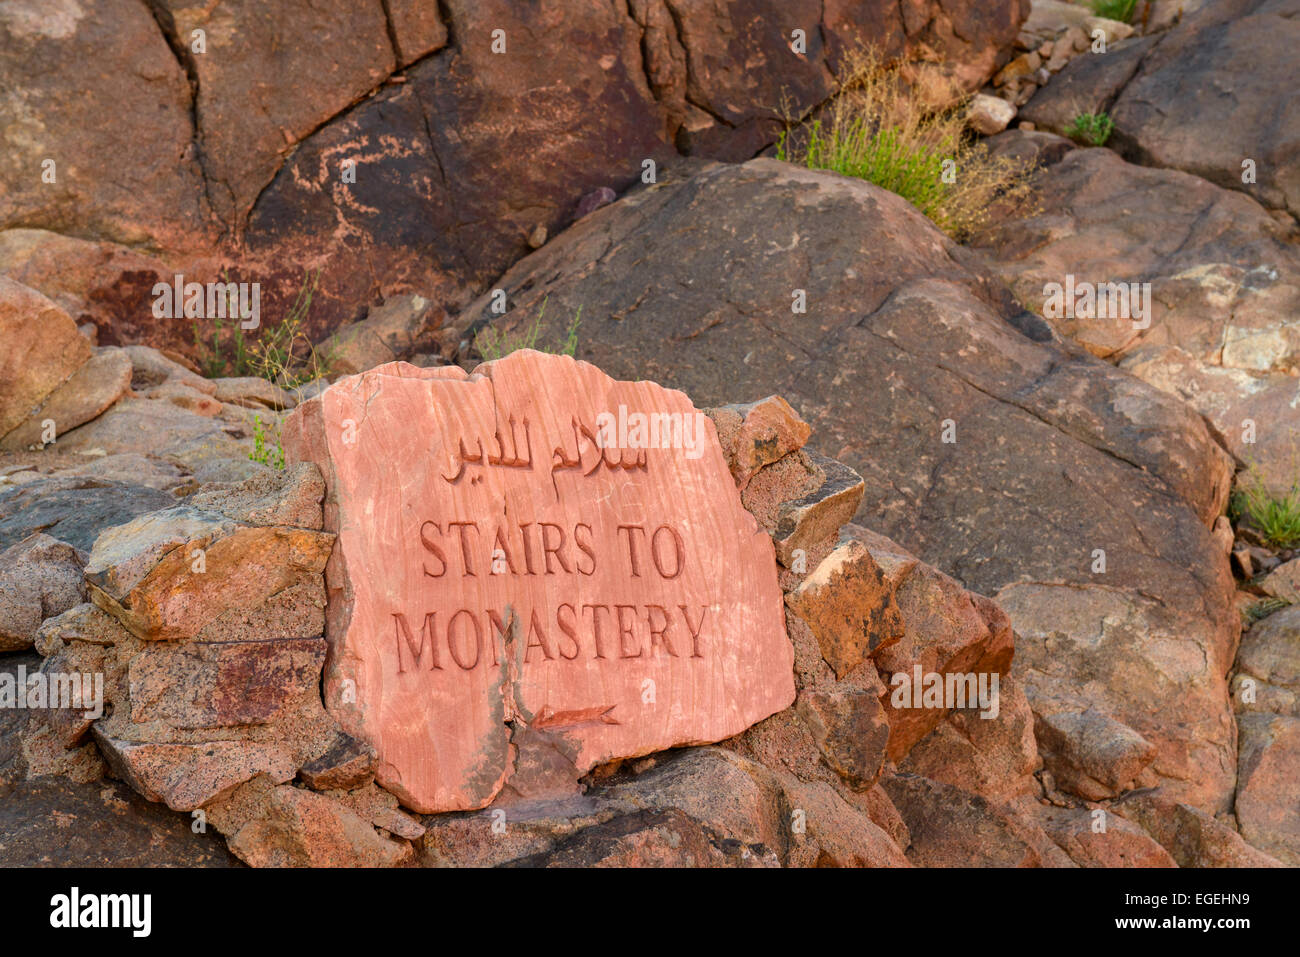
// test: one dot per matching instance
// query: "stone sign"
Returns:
(534, 547)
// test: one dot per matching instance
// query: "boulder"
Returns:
(73, 509)
(1097, 838)
(96, 385)
(170, 575)
(133, 180)
(1268, 784)
(52, 822)
(1192, 837)
(40, 577)
(42, 349)
(1052, 455)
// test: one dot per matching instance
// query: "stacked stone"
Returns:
(206, 620)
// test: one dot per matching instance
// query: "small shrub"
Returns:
(875, 130)
(1256, 611)
(267, 446)
(1121, 10)
(1092, 129)
(494, 344)
(281, 353)
(1276, 517)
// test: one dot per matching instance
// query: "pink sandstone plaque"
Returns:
(534, 545)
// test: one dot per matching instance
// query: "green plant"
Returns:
(496, 343)
(281, 353)
(1092, 129)
(1121, 10)
(876, 130)
(1258, 610)
(267, 446)
(1275, 516)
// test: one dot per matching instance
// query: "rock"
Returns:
(188, 776)
(101, 381)
(183, 397)
(246, 126)
(1156, 669)
(1193, 838)
(1254, 412)
(758, 434)
(151, 368)
(994, 756)
(523, 656)
(253, 392)
(73, 510)
(43, 348)
(849, 606)
(828, 832)
(1091, 754)
(1223, 276)
(1169, 115)
(989, 114)
(103, 285)
(278, 497)
(396, 330)
(803, 522)
(1284, 582)
(1099, 839)
(169, 575)
(1268, 784)
(1269, 657)
(1134, 472)
(347, 764)
(537, 238)
(946, 631)
(150, 426)
(95, 185)
(297, 828)
(851, 731)
(40, 577)
(226, 684)
(953, 828)
(594, 200)
(52, 822)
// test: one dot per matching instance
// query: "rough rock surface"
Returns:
(1054, 455)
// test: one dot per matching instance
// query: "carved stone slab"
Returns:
(534, 545)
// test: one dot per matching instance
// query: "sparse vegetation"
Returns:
(1090, 129)
(281, 352)
(267, 446)
(494, 344)
(1256, 611)
(1121, 10)
(875, 130)
(1276, 517)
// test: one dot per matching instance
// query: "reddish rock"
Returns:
(204, 684)
(1091, 754)
(171, 574)
(97, 384)
(42, 349)
(1268, 784)
(758, 434)
(1100, 838)
(485, 614)
(347, 764)
(849, 606)
(296, 828)
(1192, 837)
(851, 732)
(188, 776)
(40, 578)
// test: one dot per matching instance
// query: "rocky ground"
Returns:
(977, 487)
